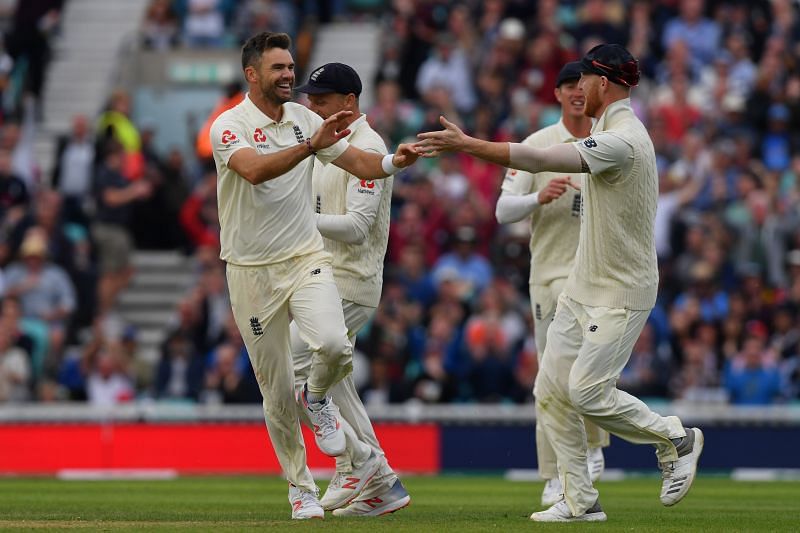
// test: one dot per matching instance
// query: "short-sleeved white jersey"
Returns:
(272, 221)
(616, 261)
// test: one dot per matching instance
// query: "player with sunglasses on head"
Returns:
(610, 291)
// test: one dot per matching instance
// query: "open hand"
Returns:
(433, 143)
(329, 133)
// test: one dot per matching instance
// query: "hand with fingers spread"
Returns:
(433, 143)
(329, 133)
(554, 189)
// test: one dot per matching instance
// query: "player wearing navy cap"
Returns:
(352, 215)
(609, 292)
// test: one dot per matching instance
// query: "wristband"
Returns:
(308, 145)
(388, 166)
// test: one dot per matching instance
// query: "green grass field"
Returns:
(445, 503)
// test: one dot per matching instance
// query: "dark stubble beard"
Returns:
(270, 94)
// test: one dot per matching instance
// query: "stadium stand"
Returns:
(722, 106)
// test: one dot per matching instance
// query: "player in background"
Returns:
(609, 292)
(353, 218)
(554, 208)
(264, 149)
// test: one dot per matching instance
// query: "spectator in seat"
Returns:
(752, 377)
(160, 29)
(44, 289)
(15, 368)
(198, 215)
(204, 25)
(471, 269)
(108, 385)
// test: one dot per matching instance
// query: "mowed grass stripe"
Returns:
(445, 503)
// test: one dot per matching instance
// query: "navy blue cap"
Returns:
(570, 71)
(332, 78)
(612, 61)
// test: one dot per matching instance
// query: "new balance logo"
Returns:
(352, 483)
(589, 142)
(297, 505)
(373, 502)
(593, 328)
(256, 326)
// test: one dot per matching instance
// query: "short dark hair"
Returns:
(257, 44)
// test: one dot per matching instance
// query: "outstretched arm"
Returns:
(370, 166)
(558, 158)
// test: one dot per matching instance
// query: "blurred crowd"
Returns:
(720, 95)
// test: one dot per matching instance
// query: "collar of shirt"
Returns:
(357, 123)
(612, 111)
(564, 133)
(258, 116)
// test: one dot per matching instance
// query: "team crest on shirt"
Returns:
(366, 186)
(228, 137)
(260, 138)
(298, 134)
(255, 325)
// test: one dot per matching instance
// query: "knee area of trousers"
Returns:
(335, 346)
(585, 399)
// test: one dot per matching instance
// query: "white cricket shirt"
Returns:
(272, 221)
(357, 267)
(616, 261)
(555, 227)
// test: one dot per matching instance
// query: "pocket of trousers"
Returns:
(604, 325)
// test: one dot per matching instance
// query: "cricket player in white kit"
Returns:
(264, 150)
(353, 217)
(609, 292)
(554, 208)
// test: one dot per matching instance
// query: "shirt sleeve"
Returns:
(363, 200)
(606, 154)
(227, 138)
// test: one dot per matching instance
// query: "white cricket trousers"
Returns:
(587, 348)
(543, 307)
(360, 436)
(263, 299)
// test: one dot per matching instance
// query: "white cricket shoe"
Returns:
(678, 475)
(552, 493)
(596, 463)
(560, 513)
(387, 502)
(324, 417)
(304, 503)
(346, 486)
